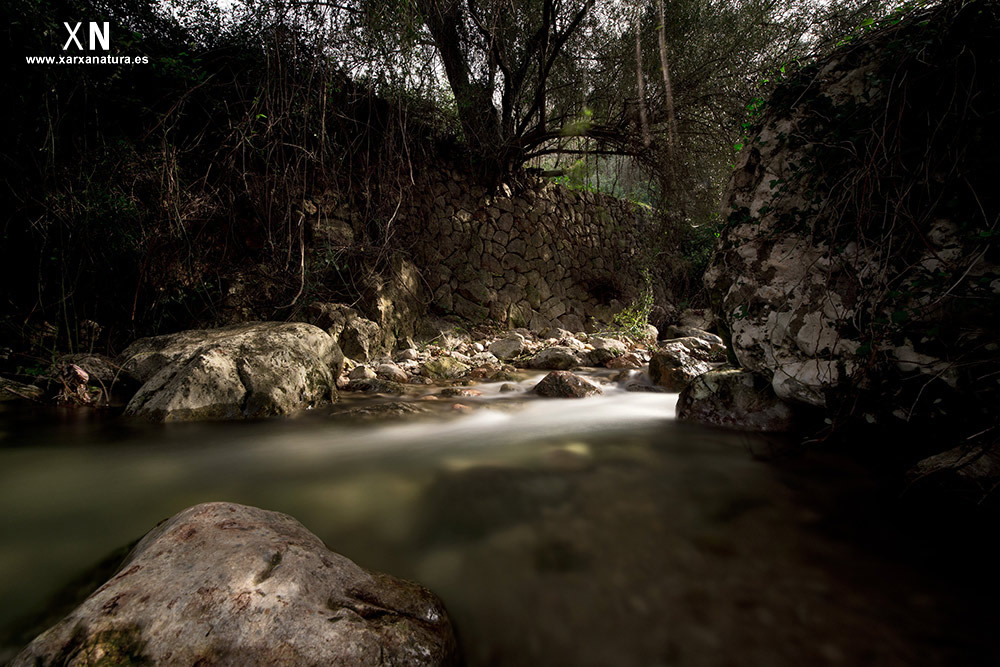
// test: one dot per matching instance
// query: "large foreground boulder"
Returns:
(737, 399)
(226, 584)
(237, 372)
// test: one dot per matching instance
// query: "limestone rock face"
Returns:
(851, 262)
(237, 372)
(563, 384)
(736, 399)
(395, 301)
(227, 584)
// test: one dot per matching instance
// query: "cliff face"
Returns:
(860, 267)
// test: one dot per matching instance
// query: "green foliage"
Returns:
(38, 369)
(699, 241)
(633, 319)
(577, 177)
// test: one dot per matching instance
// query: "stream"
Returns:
(558, 532)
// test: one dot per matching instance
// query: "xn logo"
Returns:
(98, 35)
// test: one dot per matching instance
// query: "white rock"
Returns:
(236, 372)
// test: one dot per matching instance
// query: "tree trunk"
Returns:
(668, 90)
(476, 112)
(640, 82)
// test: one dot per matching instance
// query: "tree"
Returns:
(541, 77)
(502, 64)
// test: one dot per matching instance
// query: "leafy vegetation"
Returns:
(146, 197)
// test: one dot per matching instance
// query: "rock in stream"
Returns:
(242, 371)
(227, 584)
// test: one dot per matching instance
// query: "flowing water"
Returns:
(558, 532)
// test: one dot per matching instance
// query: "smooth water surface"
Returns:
(558, 532)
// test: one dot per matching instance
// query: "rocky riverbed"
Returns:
(265, 369)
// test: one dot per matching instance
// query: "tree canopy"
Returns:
(195, 157)
(528, 79)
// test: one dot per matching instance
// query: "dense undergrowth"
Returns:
(138, 195)
(148, 198)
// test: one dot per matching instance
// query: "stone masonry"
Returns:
(535, 256)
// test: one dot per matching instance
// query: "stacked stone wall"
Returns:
(537, 255)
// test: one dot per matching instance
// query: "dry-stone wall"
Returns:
(538, 255)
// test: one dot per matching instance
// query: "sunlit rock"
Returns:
(227, 584)
(236, 372)
(361, 372)
(675, 364)
(359, 338)
(509, 347)
(605, 350)
(563, 384)
(557, 357)
(681, 331)
(409, 354)
(444, 368)
(392, 372)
